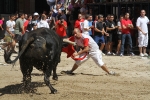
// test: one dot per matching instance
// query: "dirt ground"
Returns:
(88, 83)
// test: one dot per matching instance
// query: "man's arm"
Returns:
(86, 49)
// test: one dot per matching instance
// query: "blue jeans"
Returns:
(129, 42)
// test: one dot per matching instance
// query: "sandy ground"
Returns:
(88, 83)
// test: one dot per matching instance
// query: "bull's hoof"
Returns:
(55, 78)
(53, 91)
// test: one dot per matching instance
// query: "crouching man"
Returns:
(90, 47)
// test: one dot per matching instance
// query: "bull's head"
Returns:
(38, 47)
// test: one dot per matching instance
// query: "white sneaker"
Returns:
(103, 54)
(112, 73)
(108, 53)
(141, 54)
(145, 54)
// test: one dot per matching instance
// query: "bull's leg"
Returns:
(26, 71)
(47, 81)
(55, 77)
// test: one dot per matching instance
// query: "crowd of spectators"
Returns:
(106, 31)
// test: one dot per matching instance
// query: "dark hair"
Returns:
(20, 14)
(99, 16)
(121, 16)
(12, 15)
(29, 15)
(87, 16)
(112, 15)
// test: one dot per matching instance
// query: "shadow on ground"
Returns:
(19, 88)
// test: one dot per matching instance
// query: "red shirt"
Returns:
(61, 31)
(26, 24)
(125, 23)
(78, 24)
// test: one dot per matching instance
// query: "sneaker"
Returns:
(121, 54)
(113, 54)
(103, 54)
(132, 54)
(108, 53)
(145, 54)
(141, 54)
(112, 73)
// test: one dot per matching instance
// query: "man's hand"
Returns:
(12, 35)
(106, 34)
(75, 54)
(144, 33)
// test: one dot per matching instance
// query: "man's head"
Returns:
(25, 16)
(90, 18)
(58, 6)
(121, 17)
(111, 18)
(127, 15)
(100, 18)
(29, 17)
(79, 16)
(96, 17)
(43, 17)
(36, 15)
(87, 16)
(77, 33)
(12, 17)
(108, 17)
(21, 15)
(143, 12)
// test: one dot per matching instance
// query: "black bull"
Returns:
(40, 48)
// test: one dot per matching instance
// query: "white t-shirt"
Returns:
(92, 44)
(142, 22)
(85, 25)
(11, 25)
(42, 23)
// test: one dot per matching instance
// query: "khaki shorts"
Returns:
(8, 38)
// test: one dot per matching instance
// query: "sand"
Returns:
(89, 82)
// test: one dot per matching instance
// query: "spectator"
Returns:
(55, 12)
(141, 24)
(126, 34)
(63, 15)
(27, 24)
(111, 29)
(43, 22)
(91, 25)
(61, 27)
(86, 27)
(79, 22)
(1, 23)
(35, 20)
(25, 17)
(51, 3)
(9, 35)
(19, 28)
(119, 34)
(100, 32)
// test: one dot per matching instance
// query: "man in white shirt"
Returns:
(86, 27)
(141, 24)
(9, 35)
(89, 47)
(43, 22)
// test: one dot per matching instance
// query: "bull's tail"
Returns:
(7, 55)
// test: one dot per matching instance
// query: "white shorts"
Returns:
(143, 40)
(95, 55)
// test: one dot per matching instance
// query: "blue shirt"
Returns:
(90, 24)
